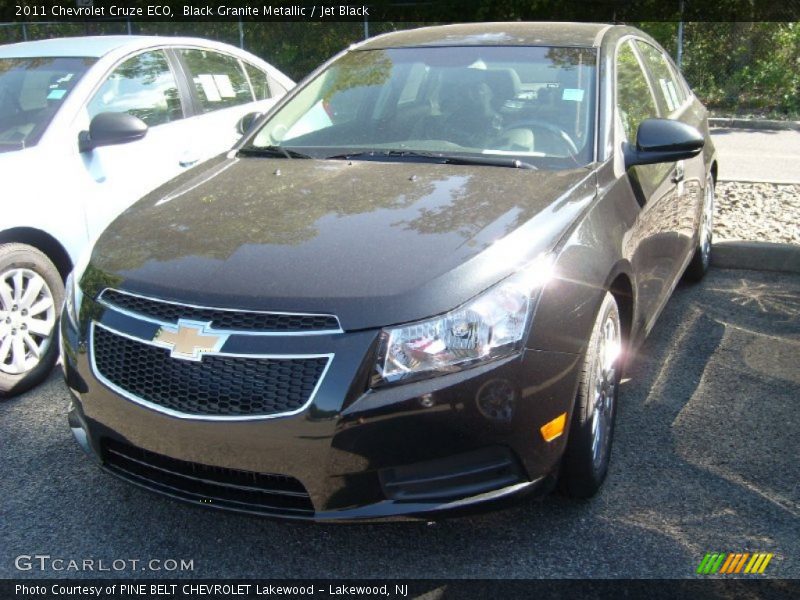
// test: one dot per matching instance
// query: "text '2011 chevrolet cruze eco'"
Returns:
(412, 288)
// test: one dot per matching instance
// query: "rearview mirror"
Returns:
(108, 129)
(246, 123)
(663, 140)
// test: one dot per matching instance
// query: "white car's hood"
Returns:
(12, 161)
(21, 173)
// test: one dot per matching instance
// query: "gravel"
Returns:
(765, 212)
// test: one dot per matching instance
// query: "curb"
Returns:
(734, 123)
(756, 256)
(772, 181)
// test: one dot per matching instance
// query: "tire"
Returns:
(28, 338)
(591, 432)
(701, 260)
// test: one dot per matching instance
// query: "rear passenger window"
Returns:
(635, 102)
(669, 91)
(259, 80)
(142, 86)
(218, 79)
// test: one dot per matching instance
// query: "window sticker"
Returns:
(673, 92)
(574, 94)
(224, 86)
(209, 88)
(670, 98)
(56, 94)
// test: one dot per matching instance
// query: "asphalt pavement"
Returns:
(705, 460)
(759, 155)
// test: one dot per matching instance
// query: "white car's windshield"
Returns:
(532, 104)
(31, 92)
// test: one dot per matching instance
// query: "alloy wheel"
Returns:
(27, 318)
(707, 226)
(605, 389)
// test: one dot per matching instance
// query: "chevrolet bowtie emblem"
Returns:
(189, 340)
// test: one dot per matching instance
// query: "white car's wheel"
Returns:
(31, 294)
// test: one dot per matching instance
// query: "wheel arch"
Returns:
(621, 287)
(42, 241)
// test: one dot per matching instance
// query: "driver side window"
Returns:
(635, 101)
(142, 86)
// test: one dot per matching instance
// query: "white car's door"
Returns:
(226, 88)
(113, 177)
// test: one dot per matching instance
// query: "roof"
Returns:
(94, 46)
(494, 34)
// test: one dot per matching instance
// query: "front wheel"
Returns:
(701, 260)
(588, 451)
(31, 293)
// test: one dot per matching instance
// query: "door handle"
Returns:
(188, 162)
(679, 173)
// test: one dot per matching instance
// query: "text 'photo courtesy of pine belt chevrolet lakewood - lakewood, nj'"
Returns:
(412, 286)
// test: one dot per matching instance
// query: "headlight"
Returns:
(73, 296)
(488, 327)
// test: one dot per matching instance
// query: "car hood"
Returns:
(22, 183)
(6, 148)
(13, 156)
(375, 243)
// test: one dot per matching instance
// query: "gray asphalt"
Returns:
(705, 460)
(769, 156)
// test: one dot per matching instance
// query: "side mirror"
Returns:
(246, 123)
(663, 140)
(108, 129)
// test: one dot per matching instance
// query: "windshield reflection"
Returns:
(532, 104)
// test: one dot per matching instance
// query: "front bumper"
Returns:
(449, 443)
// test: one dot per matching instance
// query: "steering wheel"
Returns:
(561, 135)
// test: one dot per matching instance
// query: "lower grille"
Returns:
(218, 386)
(212, 486)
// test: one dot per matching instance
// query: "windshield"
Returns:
(533, 104)
(31, 91)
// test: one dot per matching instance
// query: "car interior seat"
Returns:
(505, 85)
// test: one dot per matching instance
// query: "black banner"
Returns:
(398, 10)
(111, 589)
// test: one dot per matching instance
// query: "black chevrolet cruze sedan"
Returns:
(411, 287)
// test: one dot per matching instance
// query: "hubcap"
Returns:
(707, 226)
(27, 317)
(605, 389)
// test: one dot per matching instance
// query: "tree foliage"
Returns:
(731, 65)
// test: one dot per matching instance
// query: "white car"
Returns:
(88, 126)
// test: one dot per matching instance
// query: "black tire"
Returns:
(584, 468)
(22, 256)
(701, 260)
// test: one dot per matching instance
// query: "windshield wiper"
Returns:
(450, 159)
(378, 154)
(490, 161)
(272, 151)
